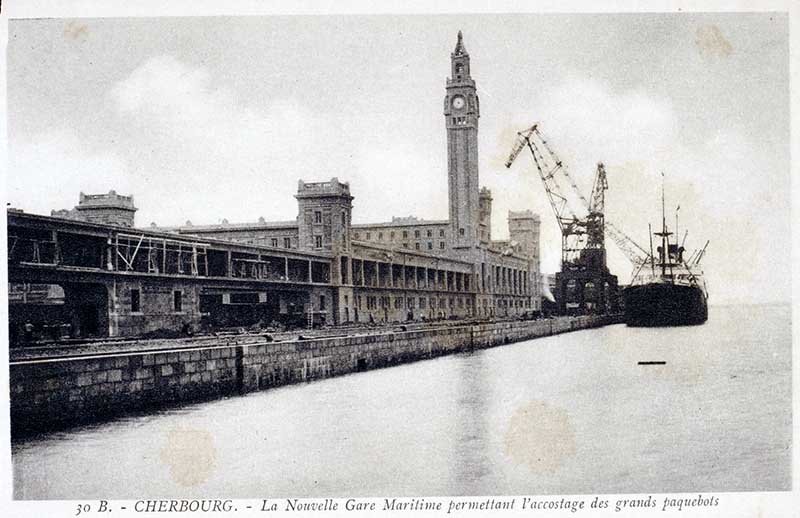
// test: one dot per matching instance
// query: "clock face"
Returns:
(458, 102)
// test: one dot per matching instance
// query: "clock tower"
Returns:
(461, 112)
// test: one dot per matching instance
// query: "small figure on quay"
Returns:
(28, 332)
(186, 329)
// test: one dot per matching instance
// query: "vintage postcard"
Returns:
(438, 262)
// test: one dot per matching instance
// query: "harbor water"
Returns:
(575, 413)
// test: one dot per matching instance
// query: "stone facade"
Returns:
(485, 216)
(404, 269)
(62, 392)
(323, 218)
(107, 209)
(523, 228)
(141, 306)
(411, 233)
(273, 234)
(504, 275)
(461, 111)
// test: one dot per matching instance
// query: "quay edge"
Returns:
(52, 394)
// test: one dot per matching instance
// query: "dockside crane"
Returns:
(584, 283)
(553, 174)
(596, 225)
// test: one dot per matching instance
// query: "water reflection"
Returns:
(570, 414)
(470, 465)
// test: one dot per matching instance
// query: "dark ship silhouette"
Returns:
(671, 291)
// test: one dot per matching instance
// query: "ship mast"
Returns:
(664, 241)
(652, 257)
(664, 254)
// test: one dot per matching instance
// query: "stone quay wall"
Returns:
(48, 394)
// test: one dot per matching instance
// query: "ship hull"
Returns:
(663, 304)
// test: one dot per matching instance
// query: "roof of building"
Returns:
(523, 214)
(108, 200)
(156, 233)
(407, 221)
(460, 49)
(229, 227)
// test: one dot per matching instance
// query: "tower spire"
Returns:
(461, 112)
(460, 49)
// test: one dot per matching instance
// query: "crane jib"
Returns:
(580, 232)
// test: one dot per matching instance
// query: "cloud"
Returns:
(586, 123)
(589, 123)
(198, 144)
(189, 146)
(380, 166)
(56, 166)
(725, 185)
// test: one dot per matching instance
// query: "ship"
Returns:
(667, 289)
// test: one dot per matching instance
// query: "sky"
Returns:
(202, 119)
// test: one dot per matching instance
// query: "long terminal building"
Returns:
(318, 267)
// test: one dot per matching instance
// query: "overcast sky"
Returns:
(209, 118)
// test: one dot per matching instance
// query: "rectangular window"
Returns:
(380, 236)
(317, 216)
(430, 245)
(430, 233)
(416, 245)
(177, 300)
(287, 242)
(441, 232)
(405, 234)
(441, 245)
(368, 236)
(416, 233)
(135, 301)
(317, 241)
(344, 219)
(322, 302)
(244, 298)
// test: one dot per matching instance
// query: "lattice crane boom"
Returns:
(549, 165)
(632, 250)
(598, 199)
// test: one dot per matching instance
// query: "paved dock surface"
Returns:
(67, 349)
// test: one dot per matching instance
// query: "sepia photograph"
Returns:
(399, 256)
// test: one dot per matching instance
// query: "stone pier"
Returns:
(47, 394)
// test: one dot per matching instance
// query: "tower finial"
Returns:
(460, 49)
